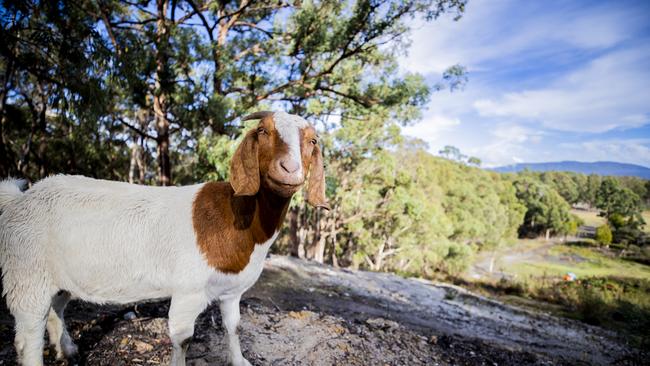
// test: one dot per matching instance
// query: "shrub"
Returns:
(604, 235)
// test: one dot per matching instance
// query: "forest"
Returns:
(152, 92)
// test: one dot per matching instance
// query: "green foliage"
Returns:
(546, 211)
(604, 235)
(623, 210)
(614, 302)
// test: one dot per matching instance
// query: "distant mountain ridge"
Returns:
(598, 167)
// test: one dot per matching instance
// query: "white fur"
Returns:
(289, 126)
(109, 242)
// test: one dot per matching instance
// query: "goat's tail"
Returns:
(10, 190)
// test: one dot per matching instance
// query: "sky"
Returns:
(547, 81)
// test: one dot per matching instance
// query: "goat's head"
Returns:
(278, 155)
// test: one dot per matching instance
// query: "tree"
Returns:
(451, 153)
(562, 183)
(172, 71)
(604, 235)
(53, 97)
(546, 211)
(472, 160)
(589, 191)
(622, 208)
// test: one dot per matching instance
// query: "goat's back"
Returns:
(103, 241)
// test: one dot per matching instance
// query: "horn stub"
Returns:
(258, 115)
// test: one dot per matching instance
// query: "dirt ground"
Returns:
(301, 313)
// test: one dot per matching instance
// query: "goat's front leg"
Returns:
(183, 312)
(230, 315)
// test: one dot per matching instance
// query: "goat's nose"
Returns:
(289, 166)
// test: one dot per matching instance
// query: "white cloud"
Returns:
(505, 31)
(506, 144)
(611, 92)
(430, 128)
(540, 73)
(516, 134)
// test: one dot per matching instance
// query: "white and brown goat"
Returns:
(110, 242)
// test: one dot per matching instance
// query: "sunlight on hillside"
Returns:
(582, 261)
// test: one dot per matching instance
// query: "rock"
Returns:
(130, 316)
(142, 347)
(381, 323)
(304, 314)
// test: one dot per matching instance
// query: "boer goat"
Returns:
(71, 237)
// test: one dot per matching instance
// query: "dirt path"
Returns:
(302, 313)
(507, 256)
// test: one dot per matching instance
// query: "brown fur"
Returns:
(316, 185)
(243, 162)
(228, 227)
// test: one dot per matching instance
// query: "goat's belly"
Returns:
(113, 273)
(112, 284)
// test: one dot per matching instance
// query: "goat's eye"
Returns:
(262, 131)
(313, 141)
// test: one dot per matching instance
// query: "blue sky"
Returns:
(548, 81)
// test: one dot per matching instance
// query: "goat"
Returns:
(72, 237)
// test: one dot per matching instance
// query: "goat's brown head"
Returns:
(278, 155)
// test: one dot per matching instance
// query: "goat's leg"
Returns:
(230, 315)
(183, 311)
(30, 329)
(58, 334)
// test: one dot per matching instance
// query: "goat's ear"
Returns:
(244, 167)
(316, 185)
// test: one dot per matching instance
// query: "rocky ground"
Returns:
(301, 313)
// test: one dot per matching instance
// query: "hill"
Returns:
(599, 167)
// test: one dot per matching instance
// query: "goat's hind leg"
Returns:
(56, 329)
(30, 329)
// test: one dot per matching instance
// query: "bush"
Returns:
(604, 235)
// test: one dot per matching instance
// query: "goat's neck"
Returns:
(271, 210)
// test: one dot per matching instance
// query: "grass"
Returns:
(590, 218)
(610, 291)
(646, 218)
(583, 261)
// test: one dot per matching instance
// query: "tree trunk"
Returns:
(161, 100)
(5, 156)
(295, 249)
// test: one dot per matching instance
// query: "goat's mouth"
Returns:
(287, 188)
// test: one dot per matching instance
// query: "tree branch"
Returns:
(135, 129)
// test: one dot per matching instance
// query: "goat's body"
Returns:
(109, 242)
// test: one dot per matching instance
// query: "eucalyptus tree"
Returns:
(52, 65)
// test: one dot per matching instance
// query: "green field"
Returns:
(583, 261)
(590, 218)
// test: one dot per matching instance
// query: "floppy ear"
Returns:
(244, 167)
(316, 185)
